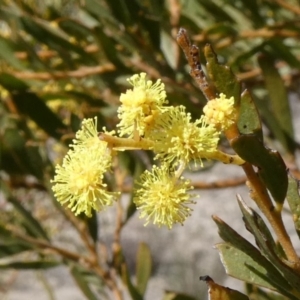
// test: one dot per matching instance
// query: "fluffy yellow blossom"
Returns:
(178, 139)
(140, 105)
(162, 198)
(79, 180)
(220, 112)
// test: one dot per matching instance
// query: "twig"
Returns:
(192, 54)
(261, 197)
(45, 54)
(46, 245)
(220, 183)
(293, 8)
(79, 73)
(79, 258)
(265, 32)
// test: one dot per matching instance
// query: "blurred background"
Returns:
(65, 60)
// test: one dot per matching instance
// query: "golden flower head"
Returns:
(162, 198)
(178, 139)
(79, 180)
(140, 105)
(220, 112)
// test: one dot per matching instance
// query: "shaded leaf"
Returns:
(254, 224)
(279, 104)
(32, 225)
(31, 265)
(9, 247)
(271, 167)
(31, 105)
(133, 291)
(243, 261)
(11, 244)
(108, 46)
(6, 50)
(281, 51)
(82, 283)
(143, 267)
(241, 266)
(12, 83)
(248, 119)
(222, 77)
(293, 200)
(92, 224)
(252, 9)
(74, 28)
(13, 152)
(50, 36)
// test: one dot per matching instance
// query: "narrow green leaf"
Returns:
(217, 12)
(32, 225)
(82, 283)
(252, 9)
(10, 244)
(6, 53)
(12, 83)
(293, 199)
(222, 77)
(279, 103)
(30, 265)
(123, 11)
(221, 29)
(240, 265)
(99, 11)
(253, 266)
(107, 44)
(254, 224)
(262, 229)
(54, 38)
(75, 28)
(36, 161)
(92, 224)
(133, 291)
(9, 248)
(249, 120)
(143, 267)
(14, 156)
(244, 56)
(280, 50)
(30, 104)
(272, 169)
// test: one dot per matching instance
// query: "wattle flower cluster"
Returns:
(162, 196)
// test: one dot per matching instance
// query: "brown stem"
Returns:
(79, 73)
(219, 183)
(291, 7)
(261, 197)
(192, 54)
(79, 258)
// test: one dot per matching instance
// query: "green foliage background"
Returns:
(62, 61)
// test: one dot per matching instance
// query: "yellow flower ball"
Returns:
(162, 198)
